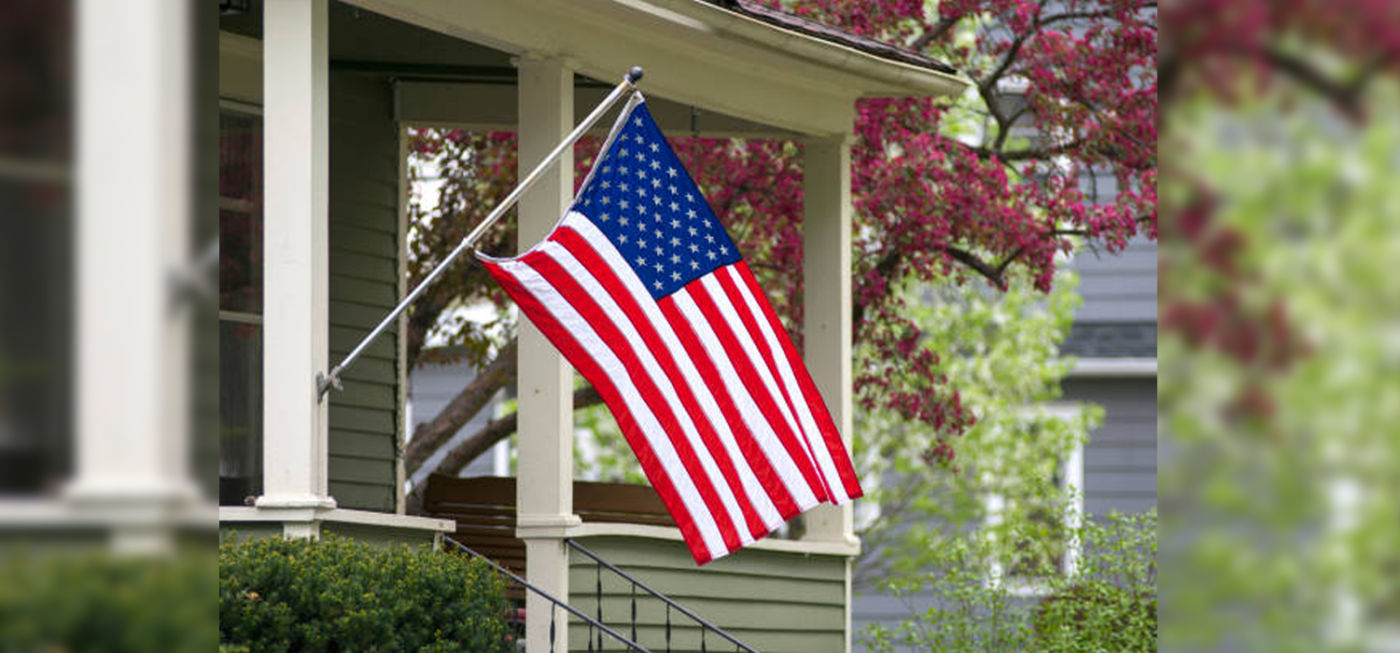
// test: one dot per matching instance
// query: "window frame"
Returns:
(1072, 484)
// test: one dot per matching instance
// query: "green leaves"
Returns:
(340, 595)
(94, 601)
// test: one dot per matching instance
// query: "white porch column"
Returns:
(826, 264)
(132, 237)
(295, 273)
(544, 481)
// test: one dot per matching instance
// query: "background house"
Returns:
(329, 88)
(1114, 340)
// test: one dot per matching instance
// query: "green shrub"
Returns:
(339, 595)
(1111, 604)
(1108, 606)
(94, 601)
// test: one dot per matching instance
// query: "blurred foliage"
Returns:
(94, 601)
(1001, 349)
(1109, 605)
(337, 594)
(1279, 388)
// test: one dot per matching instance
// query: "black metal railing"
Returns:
(593, 625)
(705, 626)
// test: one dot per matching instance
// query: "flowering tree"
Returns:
(968, 189)
(1278, 304)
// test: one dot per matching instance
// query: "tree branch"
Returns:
(934, 33)
(991, 272)
(463, 407)
(481, 442)
(1030, 152)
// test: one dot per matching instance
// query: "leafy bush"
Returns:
(339, 595)
(1108, 606)
(95, 601)
(1111, 604)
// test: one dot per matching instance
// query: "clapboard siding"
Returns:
(364, 265)
(1119, 287)
(1120, 461)
(772, 601)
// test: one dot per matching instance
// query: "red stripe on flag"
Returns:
(768, 476)
(793, 441)
(746, 317)
(602, 323)
(591, 261)
(589, 368)
(830, 434)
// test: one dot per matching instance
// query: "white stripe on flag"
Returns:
(741, 333)
(763, 432)
(587, 338)
(702, 392)
(794, 392)
(663, 382)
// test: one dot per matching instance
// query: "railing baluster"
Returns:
(668, 628)
(599, 592)
(702, 640)
(552, 613)
(634, 613)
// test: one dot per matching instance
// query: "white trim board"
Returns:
(1114, 368)
(242, 514)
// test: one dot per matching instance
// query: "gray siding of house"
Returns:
(1120, 461)
(364, 250)
(1118, 287)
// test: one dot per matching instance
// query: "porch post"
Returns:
(295, 273)
(544, 480)
(826, 328)
(132, 332)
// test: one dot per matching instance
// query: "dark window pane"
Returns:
(36, 251)
(240, 213)
(240, 412)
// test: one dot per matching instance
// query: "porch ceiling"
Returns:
(695, 54)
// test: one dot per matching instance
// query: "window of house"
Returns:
(1050, 548)
(240, 304)
(36, 253)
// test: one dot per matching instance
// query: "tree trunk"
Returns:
(481, 441)
(428, 436)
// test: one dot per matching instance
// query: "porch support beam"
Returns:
(132, 332)
(296, 245)
(826, 265)
(544, 486)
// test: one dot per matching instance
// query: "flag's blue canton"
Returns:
(643, 199)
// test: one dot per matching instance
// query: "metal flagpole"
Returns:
(324, 382)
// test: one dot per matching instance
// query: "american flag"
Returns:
(642, 290)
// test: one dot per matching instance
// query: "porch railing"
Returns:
(601, 628)
(705, 626)
(484, 509)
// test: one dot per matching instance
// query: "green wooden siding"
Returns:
(772, 601)
(364, 224)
